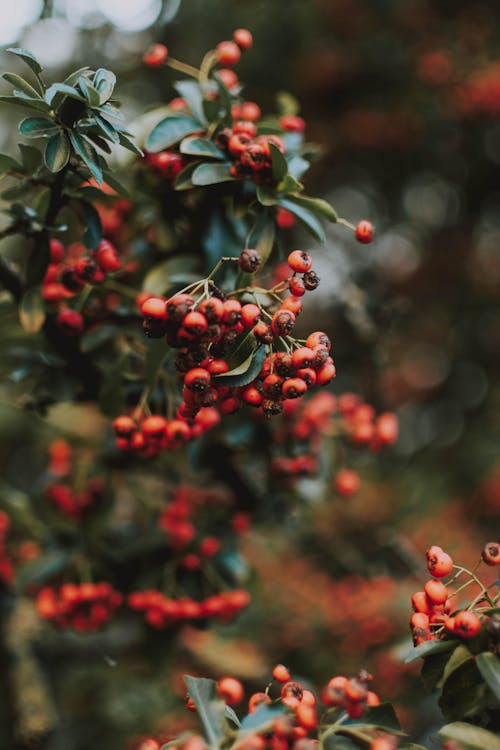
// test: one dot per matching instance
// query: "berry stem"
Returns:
(189, 70)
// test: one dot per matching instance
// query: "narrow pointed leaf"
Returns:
(106, 128)
(21, 100)
(316, 205)
(22, 85)
(184, 180)
(28, 57)
(429, 647)
(32, 310)
(171, 130)
(210, 709)
(88, 155)
(57, 152)
(93, 232)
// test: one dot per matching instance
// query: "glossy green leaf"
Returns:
(90, 93)
(157, 280)
(382, 717)
(202, 692)
(65, 90)
(458, 657)
(225, 101)
(38, 127)
(261, 718)
(245, 372)
(470, 736)
(462, 692)
(129, 144)
(290, 185)
(306, 217)
(429, 647)
(316, 205)
(28, 57)
(432, 669)
(170, 130)
(93, 227)
(211, 174)
(99, 141)
(88, 155)
(279, 164)
(7, 163)
(21, 85)
(489, 666)
(32, 310)
(31, 157)
(104, 81)
(266, 195)
(195, 146)
(21, 100)
(190, 92)
(57, 152)
(184, 180)
(106, 128)
(262, 237)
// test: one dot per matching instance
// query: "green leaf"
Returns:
(432, 669)
(287, 104)
(489, 666)
(210, 709)
(28, 57)
(88, 155)
(305, 216)
(184, 180)
(316, 205)
(22, 100)
(106, 128)
(7, 162)
(129, 144)
(157, 280)
(21, 85)
(462, 692)
(41, 201)
(37, 127)
(429, 647)
(230, 714)
(90, 93)
(170, 130)
(99, 141)
(262, 237)
(266, 195)
(245, 372)
(470, 736)
(382, 717)
(290, 185)
(98, 336)
(196, 146)
(104, 82)
(211, 174)
(65, 90)
(57, 152)
(279, 163)
(32, 310)
(111, 180)
(111, 111)
(190, 91)
(38, 261)
(459, 656)
(76, 75)
(225, 101)
(261, 718)
(93, 231)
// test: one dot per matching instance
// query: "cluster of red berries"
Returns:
(6, 564)
(75, 504)
(350, 694)
(83, 607)
(433, 618)
(180, 521)
(69, 271)
(162, 611)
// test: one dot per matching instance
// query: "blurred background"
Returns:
(403, 97)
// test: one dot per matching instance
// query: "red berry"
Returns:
(466, 624)
(243, 38)
(439, 563)
(154, 307)
(436, 591)
(155, 55)
(347, 482)
(230, 690)
(292, 123)
(228, 77)
(228, 53)
(364, 232)
(299, 261)
(491, 553)
(281, 673)
(249, 111)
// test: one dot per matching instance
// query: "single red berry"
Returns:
(154, 307)
(491, 553)
(282, 322)
(243, 38)
(439, 563)
(70, 321)
(292, 123)
(249, 260)
(364, 232)
(249, 111)
(56, 251)
(228, 77)
(294, 388)
(299, 261)
(228, 53)
(302, 357)
(239, 143)
(466, 624)
(230, 690)
(296, 286)
(436, 591)
(347, 482)
(155, 55)
(124, 426)
(197, 379)
(245, 126)
(281, 673)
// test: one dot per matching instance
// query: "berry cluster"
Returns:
(62, 495)
(83, 607)
(434, 616)
(69, 271)
(162, 611)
